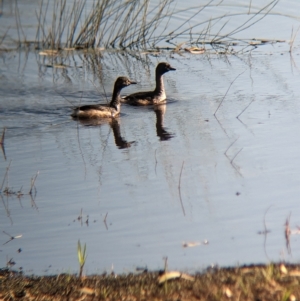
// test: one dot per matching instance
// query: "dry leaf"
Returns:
(173, 275)
(178, 47)
(294, 273)
(168, 276)
(275, 285)
(195, 50)
(87, 291)
(255, 43)
(228, 292)
(283, 269)
(48, 52)
(195, 243)
(292, 297)
(59, 66)
(187, 277)
(191, 244)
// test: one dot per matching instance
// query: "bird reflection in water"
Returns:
(161, 132)
(114, 123)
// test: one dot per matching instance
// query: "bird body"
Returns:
(158, 95)
(104, 111)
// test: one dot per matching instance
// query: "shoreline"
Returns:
(274, 281)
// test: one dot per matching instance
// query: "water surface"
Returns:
(230, 170)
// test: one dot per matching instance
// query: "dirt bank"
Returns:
(271, 282)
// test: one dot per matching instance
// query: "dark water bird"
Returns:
(104, 111)
(156, 96)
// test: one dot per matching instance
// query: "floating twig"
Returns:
(104, 221)
(79, 218)
(11, 237)
(10, 263)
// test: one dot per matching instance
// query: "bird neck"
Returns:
(116, 99)
(160, 88)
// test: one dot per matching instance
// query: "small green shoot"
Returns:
(81, 252)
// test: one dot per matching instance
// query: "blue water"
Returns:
(229, 170)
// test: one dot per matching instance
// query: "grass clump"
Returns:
(81, 252)
(137, 24)
(110, 23)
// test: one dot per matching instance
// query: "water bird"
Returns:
(158, 95)
(104, 111)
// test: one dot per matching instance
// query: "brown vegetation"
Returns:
(271, 282)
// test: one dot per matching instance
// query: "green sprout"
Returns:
(81, 252)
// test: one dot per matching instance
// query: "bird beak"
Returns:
(133, 82)
(171, 68)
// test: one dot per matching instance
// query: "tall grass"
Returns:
(135, 24)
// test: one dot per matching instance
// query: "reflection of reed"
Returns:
(6, 208)
(2, 143)
(162, 133)
(114, 123)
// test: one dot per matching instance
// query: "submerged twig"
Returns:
(2, 144)
(2, 137)
(244, 109)
(5, 175)
(33, 182)
(231, 160)
(179, 189)
(293, 37)
(65, 98)
(236, 155)
(265, 231)
(4, 36)
(230, 146)
(6, 209)
(227, 92)
(155, 161)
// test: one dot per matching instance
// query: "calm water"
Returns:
(229, 170)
